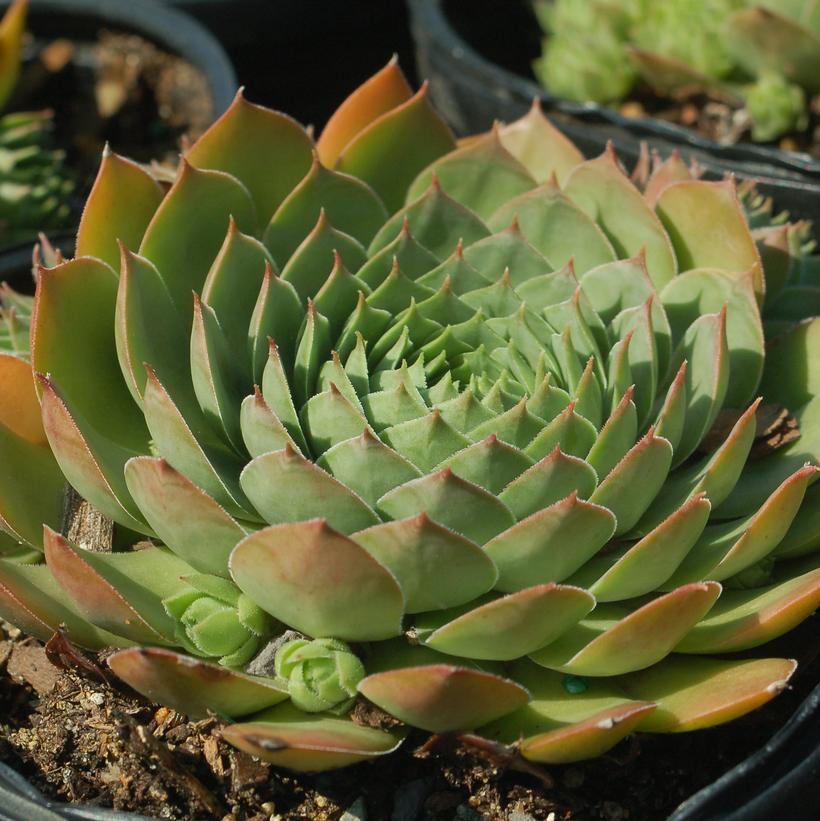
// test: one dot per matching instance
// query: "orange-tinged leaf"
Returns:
(441, 698)
(194, 687)
(748, 618)
(318, 581)
(378, 95)
(92, 464)
(31, 486)
(611, 641)
(512, 626)
(588, 738)
(265, 150)
(562, 723)
(308, 742)
(539, 146)
(76, 301)
(19, 406)
(602, 189)
(31, 599)
(12, 29)
(694, 693)
(204, 536)
(665, 173)
(122, 202)
(709, 230)
(78, 572)
(412, 131)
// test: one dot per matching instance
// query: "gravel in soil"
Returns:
(79, 739)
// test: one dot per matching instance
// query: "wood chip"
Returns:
(29, 663)
(369, 715)
(247, 771)
(210, 748)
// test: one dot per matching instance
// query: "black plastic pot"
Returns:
(472, 91)
(169, 28)
(782, 779)
(21, 802)
(81, 21)
(305, 56)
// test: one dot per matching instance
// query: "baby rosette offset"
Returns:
(423, 423)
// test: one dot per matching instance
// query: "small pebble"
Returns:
(357, 811)
(517, 815)
(97, 698)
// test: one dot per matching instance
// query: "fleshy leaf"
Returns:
(308, 742)
(451, 501)
(612, 640)
(187, 230)
(194, 687)
(411, 130)
(603, 190)
(694, 693)
(286, 487)
(482, 176)
(204, 536)
(550, 544)
(708, 229)
(378, 95)
(416, 550)
(319, 582)
(513, 625)
(276, 153)
(440, 697)
(122, 202)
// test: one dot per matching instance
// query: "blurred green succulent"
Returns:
(776, 107)
(34, 185)
(476, 421)
(765, 56)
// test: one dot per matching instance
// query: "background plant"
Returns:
(34, 185)
(471, 431)
(763, 57)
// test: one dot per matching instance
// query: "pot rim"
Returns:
(428, 16)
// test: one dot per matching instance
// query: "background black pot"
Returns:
(476, 55)
(171, 29)
(305, 56)
(146, 125)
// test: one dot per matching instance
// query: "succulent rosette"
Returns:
(445, 411)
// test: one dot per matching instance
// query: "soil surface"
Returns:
(79, 739)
